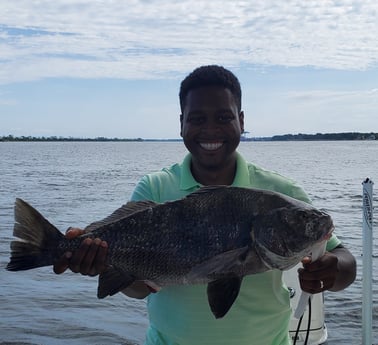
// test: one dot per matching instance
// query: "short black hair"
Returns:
(210, 75)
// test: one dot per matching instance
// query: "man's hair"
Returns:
(211, 75)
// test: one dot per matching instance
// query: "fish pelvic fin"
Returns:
(112, 281)
(222, 293)
(37, 239)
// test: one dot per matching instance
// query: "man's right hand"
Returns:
(88, 259)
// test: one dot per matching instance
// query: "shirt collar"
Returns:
(188, 181)
(242, 178)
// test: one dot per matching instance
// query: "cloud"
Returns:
(353, 110)
(154, 39)
(356, 97)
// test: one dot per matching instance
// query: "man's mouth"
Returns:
(211, 146)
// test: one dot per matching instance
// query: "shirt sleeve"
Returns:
(142, 190)
(332, 243)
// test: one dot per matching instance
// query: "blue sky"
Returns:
(113, 68)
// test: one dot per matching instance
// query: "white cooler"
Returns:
(317, 330)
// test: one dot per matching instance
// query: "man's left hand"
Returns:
(319, 275)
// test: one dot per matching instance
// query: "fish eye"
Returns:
(302, 214)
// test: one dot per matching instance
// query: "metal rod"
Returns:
(367, 247)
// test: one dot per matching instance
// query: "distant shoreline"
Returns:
(284, 137)
(11, 138)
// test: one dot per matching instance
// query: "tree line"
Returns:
(55, 138)
(326, 136)
(284, 137)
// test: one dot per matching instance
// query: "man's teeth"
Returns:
(211, 146)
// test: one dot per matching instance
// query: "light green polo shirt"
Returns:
(180, 315)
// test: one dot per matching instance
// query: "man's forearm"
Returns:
(346, 268)
(138, 289)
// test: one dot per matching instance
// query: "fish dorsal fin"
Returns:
(207, 189)
(222, 294)
(124, 211)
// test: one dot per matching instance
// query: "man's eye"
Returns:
(196, 120)
(225, 118)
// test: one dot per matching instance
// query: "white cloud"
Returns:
(349, 110)
(148, 39)
(313, 110)
(332, 96)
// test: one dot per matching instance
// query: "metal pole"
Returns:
(367, 247)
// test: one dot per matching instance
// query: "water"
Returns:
(74, 184)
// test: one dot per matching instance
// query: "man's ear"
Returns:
(241, 121)
(181, 120)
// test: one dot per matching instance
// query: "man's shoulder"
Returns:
(159, 185)
(260, 173)
(165, 174)
(272, 180)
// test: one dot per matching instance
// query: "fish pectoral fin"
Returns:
(112, 281)
(227, 262)
(222, 294)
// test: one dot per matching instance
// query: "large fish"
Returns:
(214, 236)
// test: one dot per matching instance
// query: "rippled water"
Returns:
(76, 183)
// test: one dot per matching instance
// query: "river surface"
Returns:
(73, 184)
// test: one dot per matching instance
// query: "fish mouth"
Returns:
(211, 146)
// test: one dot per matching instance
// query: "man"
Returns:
(211, 125)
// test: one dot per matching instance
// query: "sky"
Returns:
(90, 68)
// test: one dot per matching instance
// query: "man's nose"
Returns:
(211, 125)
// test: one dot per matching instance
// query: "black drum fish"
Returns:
(214, 236)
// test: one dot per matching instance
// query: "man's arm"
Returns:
(346, 268)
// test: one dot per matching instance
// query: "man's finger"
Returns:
(79, 254)
(61, 266)
(306, 260)
(100, 264)
(74, 232)
(89, 258)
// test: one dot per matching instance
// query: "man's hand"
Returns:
(88, 259)
(319, 275)
(334, 271)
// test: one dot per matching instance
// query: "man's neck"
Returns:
(208, 176)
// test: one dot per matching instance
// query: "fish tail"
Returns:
(37, 239)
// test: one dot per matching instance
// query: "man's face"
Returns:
(211, 126)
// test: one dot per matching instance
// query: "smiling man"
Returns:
(211, 126)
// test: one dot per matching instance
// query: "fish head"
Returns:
(306, 225)
(288, 234)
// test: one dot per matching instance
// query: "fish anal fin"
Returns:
(112, 281)
(124, 211)
(222, 293)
